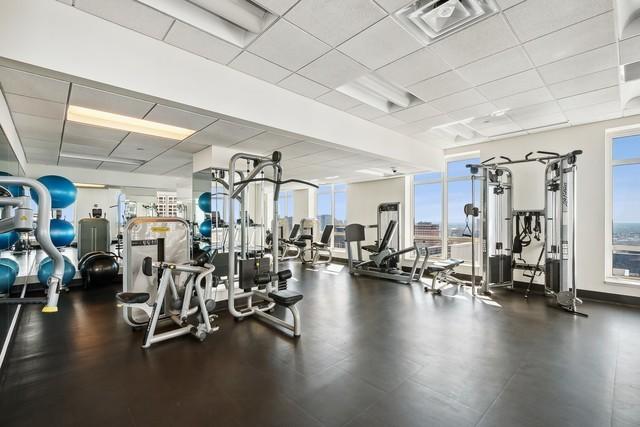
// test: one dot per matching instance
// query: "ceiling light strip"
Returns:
(101, 159)
(92, 117)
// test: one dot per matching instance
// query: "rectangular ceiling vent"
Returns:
(430, 20)
(459, 131)
(378, 93)
(236, 21)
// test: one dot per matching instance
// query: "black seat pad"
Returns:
(300, 244)
(446, 264)
(319, 245)
(286, 297)
(370, 248)
(132, 297)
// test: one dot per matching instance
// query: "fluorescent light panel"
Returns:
(378, 93)
(235, 21)
(92, 117)
(101, 159)
(85, 185)
(370, 172)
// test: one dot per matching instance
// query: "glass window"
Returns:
(332, 210)
(626, 147)
(626, 207)
(427, 199)
(285, 207)
(458, 195)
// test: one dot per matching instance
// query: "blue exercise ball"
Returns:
(204, 202)
(8, 239)
(205, 228)
(63, 192)
(62, 232)
(10, 263)
(7, 277)
(45, 268)
(15, 190)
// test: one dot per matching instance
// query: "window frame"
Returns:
(609, 247)
(414, 183)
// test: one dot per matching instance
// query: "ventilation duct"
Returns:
(430, 20)
(378, 93)
(236, 21)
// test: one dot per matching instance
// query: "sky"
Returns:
(626, 194)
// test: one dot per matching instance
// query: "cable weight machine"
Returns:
(495, 216)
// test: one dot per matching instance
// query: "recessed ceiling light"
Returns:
(101, 159)
(430, 20)
(236, 21)
(92, 117)
(85, 185)
(500, 113)
(370, 172)
(331, 177)
(378, 93)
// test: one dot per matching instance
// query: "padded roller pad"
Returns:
(285, 298)
(284, 275)
(300, 244)
(132, 297)
(318, 245)
(370, 248)
(262, 278)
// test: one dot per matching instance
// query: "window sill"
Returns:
(618, 281)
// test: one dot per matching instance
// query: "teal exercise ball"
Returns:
(63, 192)
(62, 232)
(8, 239)
(45, 268)
(10, 263)
(7, 278)
(15, 190)
(204, 202)
(205, 228)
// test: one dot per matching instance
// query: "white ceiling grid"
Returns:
(532, 52)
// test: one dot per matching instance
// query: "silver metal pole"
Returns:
(473, 238)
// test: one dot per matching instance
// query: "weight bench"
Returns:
(282, 296)
(443, 271)
(317, 248)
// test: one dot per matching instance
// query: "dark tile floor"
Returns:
(373, 353)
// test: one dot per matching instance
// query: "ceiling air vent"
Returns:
(378, 93)
(236, 21)
(430, 20)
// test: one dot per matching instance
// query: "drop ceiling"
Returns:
(548, 63)
(38, 105)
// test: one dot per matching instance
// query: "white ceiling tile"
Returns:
(38, 127)
(531, 19)
(84, 96)
(416, 113)
(99, 149)
(279, 7)
(334, 21)
(380, 44)
(520, 82)
(459, 101)
(338, 100)
(479, 110)
(36, 106)
(50, 145)
(173, 156)
(538, 121)
(392, 5)
(543, 109)
(594, 113)
(188, 147)
(177, 117)
(588, 83)
(223, 133)
(502, 129)
(423, 125)
(388, 121)
(68, 2)
(200, 43)
(130, 14)
(300, 149)
(439, 86)
(78, 163)
(630, 50)
(418, 66)
(41, 158)
(579, 65)
(366, 112)
(266, 142)
(333, 69)
(600, 96)
(27, 84)
(81, 132)
(120, 167)
(523, 99)
(503, 64)
(288, 46)
(142, 147)
(257, 67)
(506, 4)
(303, 86)
(475, 42)
(587, 35)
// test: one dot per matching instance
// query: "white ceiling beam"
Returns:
(54, 36)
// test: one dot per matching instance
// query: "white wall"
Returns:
(529, 191)
(302, 204)
(363, 199)
(104, 197)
